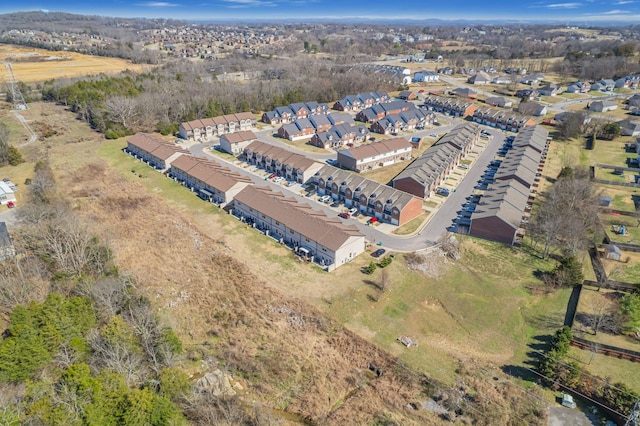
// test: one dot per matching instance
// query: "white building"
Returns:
(6, 193)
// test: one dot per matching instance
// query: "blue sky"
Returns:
(623, 11)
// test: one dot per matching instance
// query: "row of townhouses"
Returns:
(503, 210)
(360, 101)
(304, 127)
(207, 128)
(153, 150)
(371, 198)
(375, 155)
(452, 106)
(310, 233)
(376, 112)
(289, 113)
(339, 136)
(426, 172)
(501, 119)
(294, 167)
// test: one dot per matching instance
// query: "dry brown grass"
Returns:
(31, 65)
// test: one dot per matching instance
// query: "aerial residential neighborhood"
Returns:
(295, 213)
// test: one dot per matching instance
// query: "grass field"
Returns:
(32, 65)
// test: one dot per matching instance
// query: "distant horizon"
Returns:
(586, 12)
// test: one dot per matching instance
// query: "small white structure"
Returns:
(6, 193)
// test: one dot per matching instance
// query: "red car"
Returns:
(11, 204)
(344, 215)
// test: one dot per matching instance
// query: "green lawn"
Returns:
(618, 370)
(479, 306)
(412, 225)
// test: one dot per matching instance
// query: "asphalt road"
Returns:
(429, 234)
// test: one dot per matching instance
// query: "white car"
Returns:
(353, 211)
(325, 198)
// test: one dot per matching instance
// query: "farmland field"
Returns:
(31, 65)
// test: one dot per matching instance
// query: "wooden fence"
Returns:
(607, 350)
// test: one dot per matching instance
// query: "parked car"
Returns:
(443, 191)
(331, 161)
(372, 220)
(334, 205)
(344, 215)
(11, 204)
(325, 198)
(433, 135)
(378, 253)
(353, 211)
(273, 175)
(464, 166)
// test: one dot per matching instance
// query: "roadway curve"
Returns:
(442, 219)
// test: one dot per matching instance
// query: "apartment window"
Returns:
(277, 223)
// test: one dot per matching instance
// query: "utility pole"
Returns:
(16, 95)
(634, 417)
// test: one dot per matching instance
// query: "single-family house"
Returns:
(426, 76)
(549, 90)
(579, 87)
(629, 127)
(299, 129)
(602, 106)
(499, 101)
(321, 123)
(532, 108)
(465, 92)
(479, 78)
(604, 85)
(502, 79)
(407, 95)
(235, 143)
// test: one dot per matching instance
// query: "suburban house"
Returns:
(371, 198)
(633, 101)
(426, 172)
(527, 94)
(6, 193)
(503, 79)
(445, 71)
(629, 127)
(207, 128)
(321, 123)
(532, 108)
(452, 106)
(208, 179)
(339, 136)
(499, 101)
(465, 92)
(503, 209)
(235, 143)
(308, 232)
(292, 166)
(628, 82)
(579, 87)
(532, 79)
(299, 129)
(605, 85)
(549, 90)
(375, 154)
(407, 95)
(153, 150)
(426, 77)
(7, 251)
(479, 78)
(602, 106)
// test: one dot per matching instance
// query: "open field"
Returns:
(31, 65)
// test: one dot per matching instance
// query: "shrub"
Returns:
(386, 262)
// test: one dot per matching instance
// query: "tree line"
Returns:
(175, 93)
(81, 346)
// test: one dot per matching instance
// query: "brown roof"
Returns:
(155, 145)
(378, 148)
(297, 161)
(242, 136)
(214, 121)
(301, 218)
(208, 171)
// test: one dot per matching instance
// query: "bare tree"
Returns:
(121, 109)
(601, 314)
(116, 356)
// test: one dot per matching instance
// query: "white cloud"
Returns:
(614, 12)
(158, 4)
(624, 2)
(564, 5)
